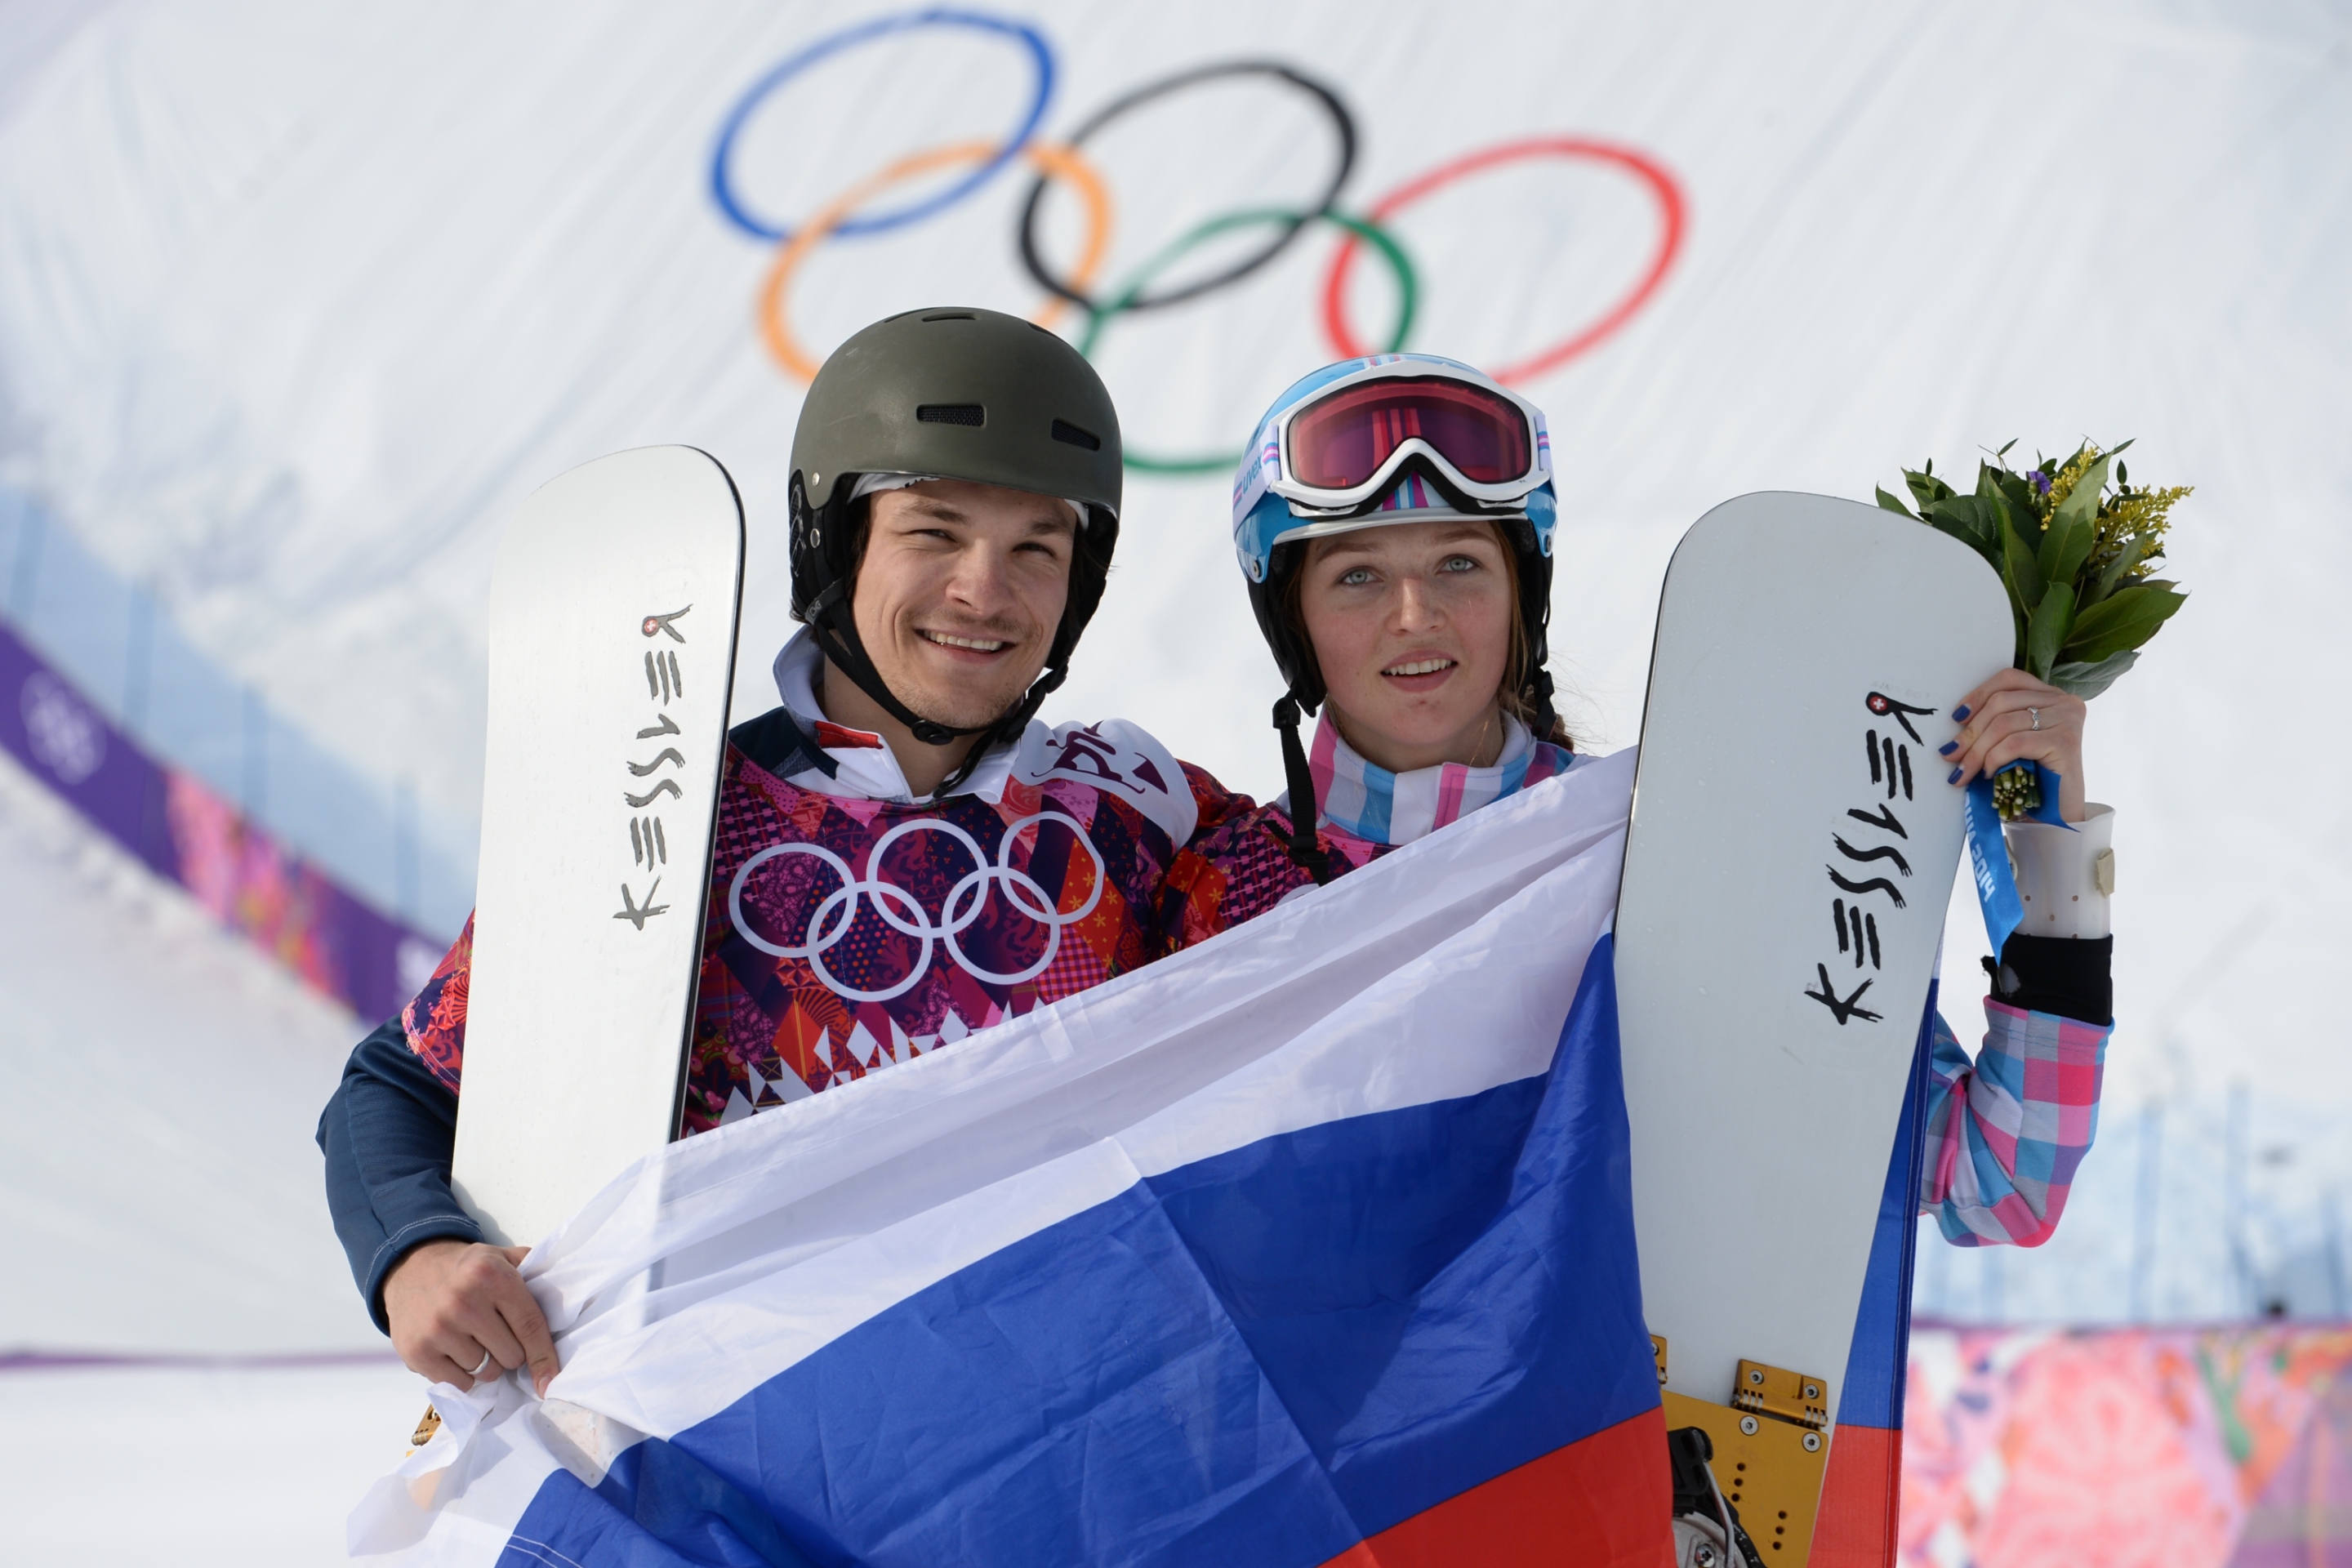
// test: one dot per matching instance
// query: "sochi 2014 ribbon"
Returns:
(1989, 865)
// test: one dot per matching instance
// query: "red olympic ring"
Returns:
(1661, 183)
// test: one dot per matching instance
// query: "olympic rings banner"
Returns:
(860, 211)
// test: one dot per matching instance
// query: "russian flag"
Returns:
(1311, 1245)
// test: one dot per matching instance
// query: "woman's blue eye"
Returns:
(1459, 564)
(1356, 578)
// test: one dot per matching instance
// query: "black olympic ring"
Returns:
(1342, 121)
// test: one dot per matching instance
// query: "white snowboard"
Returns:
(612, 652)
(1790, 853)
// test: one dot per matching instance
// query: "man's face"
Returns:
(959, 593)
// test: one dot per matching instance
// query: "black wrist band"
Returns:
(2069, 976)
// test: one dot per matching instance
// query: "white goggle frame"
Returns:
(1310, 498)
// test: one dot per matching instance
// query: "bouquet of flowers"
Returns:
(2078, 553)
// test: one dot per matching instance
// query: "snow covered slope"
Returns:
(159, 1082)
(160, 1203)
(234, 1468)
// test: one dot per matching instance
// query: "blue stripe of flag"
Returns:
(1258, 1359)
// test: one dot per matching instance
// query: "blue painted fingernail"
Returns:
(1955, 778)
(1948, 748)
(1960, 714)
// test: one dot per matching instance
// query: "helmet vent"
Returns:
(1065, 431)
(951, 316)
(951, 413)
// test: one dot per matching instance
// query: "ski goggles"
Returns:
(1343, 446)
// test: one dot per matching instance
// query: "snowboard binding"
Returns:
(1774, 1446)
(1708, 1531)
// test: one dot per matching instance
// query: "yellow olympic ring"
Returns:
(1053, 163)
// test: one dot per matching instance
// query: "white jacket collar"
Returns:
(865, 768)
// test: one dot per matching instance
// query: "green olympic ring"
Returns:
(1408, 297)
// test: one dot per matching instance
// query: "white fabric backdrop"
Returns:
(296, 302)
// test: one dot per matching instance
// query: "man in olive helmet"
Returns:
(903, 854)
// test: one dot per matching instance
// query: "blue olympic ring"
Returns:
(1041, 56)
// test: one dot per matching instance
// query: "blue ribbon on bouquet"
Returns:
(1989, 852)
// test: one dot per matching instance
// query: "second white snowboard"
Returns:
(1787, 868)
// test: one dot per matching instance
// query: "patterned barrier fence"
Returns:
(187, 832)
(2193, 1447)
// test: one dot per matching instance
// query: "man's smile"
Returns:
(972, 645)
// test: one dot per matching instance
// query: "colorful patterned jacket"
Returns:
(2004, 1132)
(849, 927)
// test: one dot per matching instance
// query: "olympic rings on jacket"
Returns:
(1660, 185)
(1342, 123)
(1057, 163)
(1041, 56)
(833, 917)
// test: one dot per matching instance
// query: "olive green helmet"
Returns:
(952, 393)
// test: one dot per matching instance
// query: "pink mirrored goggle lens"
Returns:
(1342, 442)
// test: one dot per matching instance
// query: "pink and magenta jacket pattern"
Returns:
(850, 927)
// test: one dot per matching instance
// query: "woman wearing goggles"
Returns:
(1394, 522)
(1393, 519)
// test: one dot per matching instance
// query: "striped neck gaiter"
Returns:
(1365, 799)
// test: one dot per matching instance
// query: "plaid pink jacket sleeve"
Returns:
(2005, 1132)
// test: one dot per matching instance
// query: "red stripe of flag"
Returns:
(1600, 1501)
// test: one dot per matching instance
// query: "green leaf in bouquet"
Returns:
(1889, 503)
(1999, 488)
(1971, 520)
(1925, 487)
(2014, 489)
(2121, 622)
(2009, 513)
(2053, 617)
(2135, 550)
(2087, 681)
(2019, 568)
(2082, 503)
(2066, 545)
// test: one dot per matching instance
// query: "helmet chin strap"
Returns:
(1546, 716)
(837, 639)
(1305, 849)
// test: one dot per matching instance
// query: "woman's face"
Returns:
(1412, 626)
